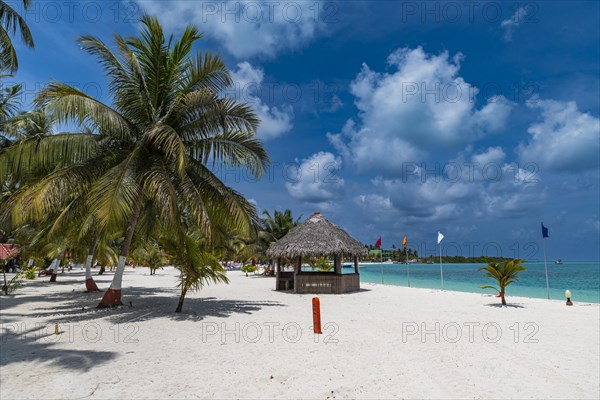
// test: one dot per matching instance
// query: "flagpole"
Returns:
(441, 270)
(546, 268)
(407, 266)
(381, 258)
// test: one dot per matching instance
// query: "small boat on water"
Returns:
(558, 261)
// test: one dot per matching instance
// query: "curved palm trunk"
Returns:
(90, 284)
(54, 268)
(181, 299)
(112, 296)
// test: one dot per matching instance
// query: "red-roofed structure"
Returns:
(8, 251)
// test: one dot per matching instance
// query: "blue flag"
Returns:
(544, 231)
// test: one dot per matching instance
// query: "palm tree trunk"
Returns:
(112, 296)
(181, 299)
(54, 268)
(90, 285)
(503, 300)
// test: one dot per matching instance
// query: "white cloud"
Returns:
(509, 25)
(275, 121)
(565, 139)
(317, 180)
(483, 186)
(421, 106)
(245, 28)
(492, 155)
(375, 202)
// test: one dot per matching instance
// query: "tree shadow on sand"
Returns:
(498, 305)
(139, 304)
(36, 344)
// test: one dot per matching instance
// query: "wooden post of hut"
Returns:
(297, 270)
(337, 263)
(317, 237)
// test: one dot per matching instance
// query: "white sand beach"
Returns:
(245, 340)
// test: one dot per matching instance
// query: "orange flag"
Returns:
(404, 241)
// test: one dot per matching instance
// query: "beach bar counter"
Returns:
(317, 237)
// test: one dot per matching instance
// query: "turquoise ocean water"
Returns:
(582, 278)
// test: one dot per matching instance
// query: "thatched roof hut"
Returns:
(316, 237)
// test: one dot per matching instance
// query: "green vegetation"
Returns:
(249, 269)
(30, 273)
(149, 254)
(320, 263)
(10, 21)
(13, 284)
(197, 266)
(133, 179)
(505, 273)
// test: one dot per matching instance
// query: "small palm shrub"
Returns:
(505, 273)
(248, 269)
(30, 273)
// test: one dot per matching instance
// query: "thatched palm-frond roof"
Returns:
(316, 237)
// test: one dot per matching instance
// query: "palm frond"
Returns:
(67, 103)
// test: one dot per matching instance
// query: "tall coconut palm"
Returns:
(505, 273)
(10, 21)
(167, 122)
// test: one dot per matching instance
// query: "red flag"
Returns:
(378, 242)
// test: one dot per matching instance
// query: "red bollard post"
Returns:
(316, 304)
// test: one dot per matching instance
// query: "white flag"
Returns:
(440, 237)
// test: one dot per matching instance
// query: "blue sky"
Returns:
(393, 118)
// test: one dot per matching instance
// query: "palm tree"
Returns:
(277, 225)
(10, 102)
(148, 154)
(272, 228)
(197, 266)
(10, 21)
(32, 149)
(505, 273)
(56, 249)
(149, 254)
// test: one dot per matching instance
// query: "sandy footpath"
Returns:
(245, 340)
